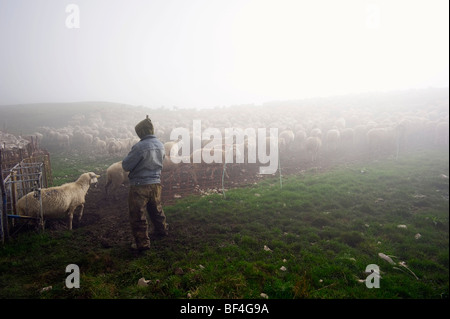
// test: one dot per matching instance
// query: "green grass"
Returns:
(324, 228)
(67, 168)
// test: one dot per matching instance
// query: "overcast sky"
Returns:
(204, 53)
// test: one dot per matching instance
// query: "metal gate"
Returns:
(25, 177)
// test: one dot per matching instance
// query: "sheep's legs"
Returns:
(70, 218)
(194, 174)
(81, 212)
(71, 211)
(107, 187)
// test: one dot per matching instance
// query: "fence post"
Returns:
(3, 218)
(279, 168)
(40, 199)
(223, 178)
(13, 192)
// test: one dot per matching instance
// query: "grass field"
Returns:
(320, 231)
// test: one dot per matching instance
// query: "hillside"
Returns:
(26, 118)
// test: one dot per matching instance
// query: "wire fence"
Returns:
(217, 178)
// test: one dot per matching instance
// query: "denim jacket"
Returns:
(145, 161)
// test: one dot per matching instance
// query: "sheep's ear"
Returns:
(97, 176)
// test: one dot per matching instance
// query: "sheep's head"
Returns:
(94, 179)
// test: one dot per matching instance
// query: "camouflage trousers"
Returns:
(143, 199)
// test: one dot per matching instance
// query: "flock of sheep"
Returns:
(312, 127)
(308, 132)
(11, 142)
(87, 138)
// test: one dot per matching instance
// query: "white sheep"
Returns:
(317, 132)
(347, 137)
(39, 136)
(333, 137)
(81, 138)
(99, 145)
(288, 136)
(282, 145)
(173, 146)
(340, 123)
(114, 146)
(360, 135)
(115, 176)
(300, 139)
(59, 200)
(380, 139)
(313, 145)
(63, 140)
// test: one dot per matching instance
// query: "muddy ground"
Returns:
(105, 218)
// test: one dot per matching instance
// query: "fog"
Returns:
(203, 53)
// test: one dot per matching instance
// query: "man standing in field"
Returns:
(144, 162)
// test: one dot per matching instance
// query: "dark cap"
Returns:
(144, 127)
